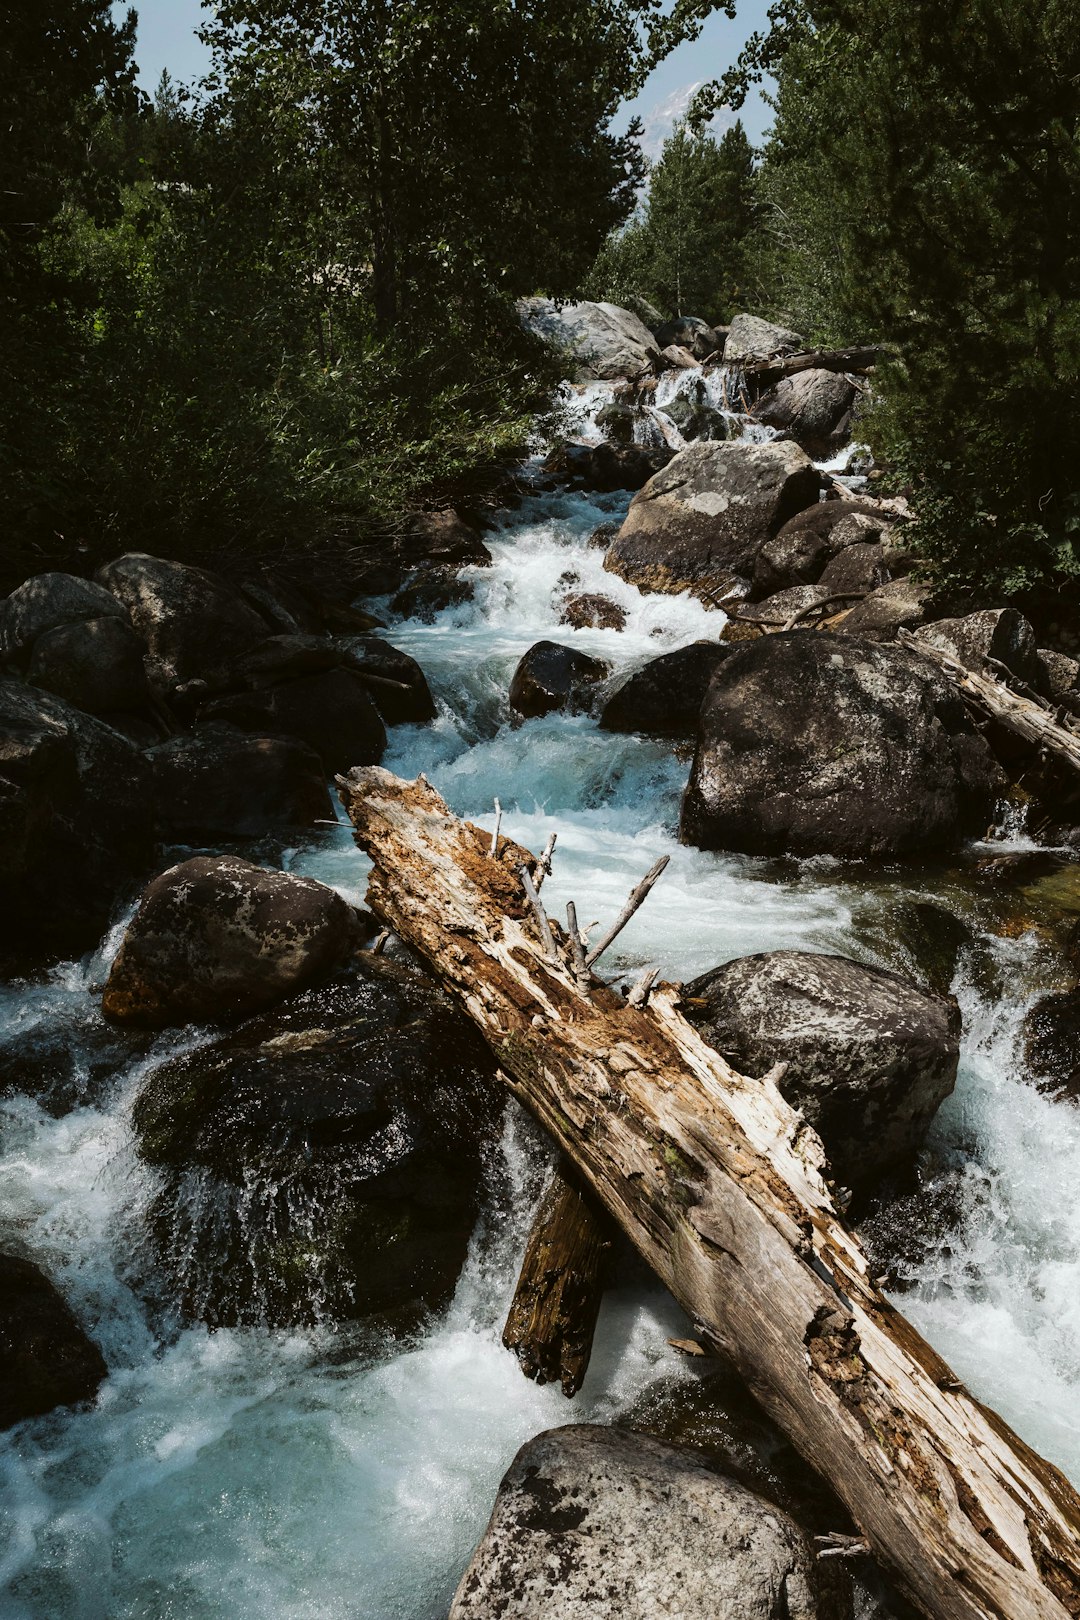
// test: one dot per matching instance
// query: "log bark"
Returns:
(1022, 715)
(723, 1190)
(767, 372)
(552, 1318)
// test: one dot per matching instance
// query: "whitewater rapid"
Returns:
(258, 1475)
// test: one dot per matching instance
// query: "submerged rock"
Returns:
(591, 611)
(76, 831)
(602, 340)
(593, 1521)
(330, 711)
(815, 744)
(430, 593)
(217, 938)
(870, 1056)
(45, 602)
(218, 783)
(192, 620)
(552, 677)
(707, 515)
(46, 1360)
(664, 699)
(324, 1159)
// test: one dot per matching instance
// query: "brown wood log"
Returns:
(1024, 716)
(552, 1317)
(724, 1191)
(767, 372)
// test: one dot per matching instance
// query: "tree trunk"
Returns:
(767, 372)
(722, 1188)
(552, 1318)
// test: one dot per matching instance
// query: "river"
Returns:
(259, 1475)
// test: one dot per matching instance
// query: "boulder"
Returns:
(812, 743)
(397, 686)
(217, 783)
(813, 406)
(446, 539)
(95, 665)
(750, 338)
(777, 610)
(859, 567)
(694, 414)
(1001, 634)
(217, 938)
(1052, 1042)
(805, 546)
(664, 699)
(870, 1057)
(1059, 677)
(430, 593)
(618, 422)
(46, 1360)
(46, 601)
(408, 701)
(903, 604)
(677, 359)
(325, 1158)
(592, 1522)
(591, 611)
(707, 515)
(331, 711)
(551, 677)
(602, 340)
(691, 333)
(76, 831)
(606, 467)
(192, 621)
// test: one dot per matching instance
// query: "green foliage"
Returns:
(687, 252)
(922, 189)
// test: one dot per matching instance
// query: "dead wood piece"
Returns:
(723, 1190)
(546, 936)
(637, 896)
(789, 365)
(1024, 716)
(577, 948)
(552, 1318)
(495, 834)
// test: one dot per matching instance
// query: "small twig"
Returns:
(639, 995)
(543, 865)
(838, 1546)
(495, 834)
(577, 949)
(825, 602)
(636, 897)
(539, 913)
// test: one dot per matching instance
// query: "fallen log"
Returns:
(767, 372)
(1029, 719)
(723, 1190)
(552, 1318)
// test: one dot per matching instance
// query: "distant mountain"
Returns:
(662, 118)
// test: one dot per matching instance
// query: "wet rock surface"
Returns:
(596, 1522)
(46, 1359)
(1052, 1043)
(592, 611)
(818, 744)
(323, 1159)
(870, 1056)
(218, 938)
(664, 698)
(76, 829)
(708, 514)
(551, 677)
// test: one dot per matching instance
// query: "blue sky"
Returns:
(167, 39)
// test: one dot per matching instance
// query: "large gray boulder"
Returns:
(902, 604)
(76, 825)
(1000, 634)
(217, 783)
(707, 515)
(816, 744)
(193, 622)
(325, 1158)
(95, 664)
(603, 341)
(46, 601)
(593, 1523)
(217, 938)
(751, 338)
(46, 1359)
(813, 406)
(870, 1057)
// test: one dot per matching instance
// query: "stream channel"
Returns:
(252, 1474)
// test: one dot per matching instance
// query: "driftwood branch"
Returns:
(495, 834)
(771, 371)
(1026, 717)
(552, 1319)
(723, 1190)
(637, 896)
(577, 948)
(538, 911)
